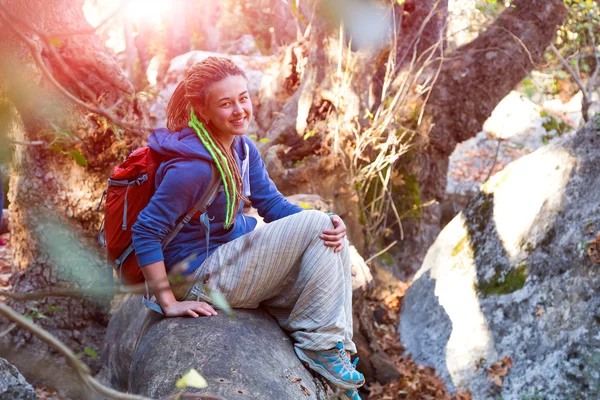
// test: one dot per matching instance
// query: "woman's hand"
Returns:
(335, 237)
(188, 309)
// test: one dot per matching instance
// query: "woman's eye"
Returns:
(244, 98)
(225, 104)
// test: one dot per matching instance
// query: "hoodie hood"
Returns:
(186, 143)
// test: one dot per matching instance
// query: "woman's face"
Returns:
(228, 108)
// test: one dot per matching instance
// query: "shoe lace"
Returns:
(346, 359)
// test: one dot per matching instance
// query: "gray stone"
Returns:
(509, 276)
(121, 336)
(13, 385)
(248, 357)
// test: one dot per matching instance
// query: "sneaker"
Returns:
(334, 365)
(351, 395)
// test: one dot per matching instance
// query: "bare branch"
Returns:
(74, 362)
(381, 251)
(592, 79)
(34, 143)
(575, 76)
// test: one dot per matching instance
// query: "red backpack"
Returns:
(130, 188)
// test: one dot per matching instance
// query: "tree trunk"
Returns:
(473, 80)
(53, 223)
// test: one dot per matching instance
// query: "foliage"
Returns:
(576, 38)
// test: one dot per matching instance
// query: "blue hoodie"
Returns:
(181, 181)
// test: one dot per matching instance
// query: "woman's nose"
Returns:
(237, 108)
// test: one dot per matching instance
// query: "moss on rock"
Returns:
(511, 282)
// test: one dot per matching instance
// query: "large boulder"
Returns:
(13, 385)
(500, 143)
(510, 277)
(248, 357)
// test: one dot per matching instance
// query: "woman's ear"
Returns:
(201, 116)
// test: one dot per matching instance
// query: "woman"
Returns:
(291, 267)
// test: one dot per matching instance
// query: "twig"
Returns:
(495, 159)
(576, 77)
(82, 370)
(592, 79)
(381, 252)
(20, 143)
(8, 330)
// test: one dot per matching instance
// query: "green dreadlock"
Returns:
(230, 189)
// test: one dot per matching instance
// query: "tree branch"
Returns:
(74, 362)
(575, 76)
(8, 18)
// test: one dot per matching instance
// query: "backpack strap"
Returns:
(205, 201)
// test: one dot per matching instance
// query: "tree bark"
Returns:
(472, 81)
(53, 223)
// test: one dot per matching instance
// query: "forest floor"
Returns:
(41, 393)
(417, 382)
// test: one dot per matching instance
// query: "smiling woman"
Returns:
(297, 267)
(228, 108)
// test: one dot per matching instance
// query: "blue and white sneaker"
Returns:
(334, 365)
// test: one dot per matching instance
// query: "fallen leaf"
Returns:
(191, 379)
(540, 311)
(305, 390)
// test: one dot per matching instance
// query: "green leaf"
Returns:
(253, 137)
(219, 301)
(79, 158)
(90, 352)
(56, 148)
(309, 134)
(55, 41)
(264, 140)
(191, 379)
(52, 308)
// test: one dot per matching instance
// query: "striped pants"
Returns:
(286, 268)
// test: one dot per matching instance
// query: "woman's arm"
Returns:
(158, 281)
(183, 182)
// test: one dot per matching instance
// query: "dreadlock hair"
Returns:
(192, 94)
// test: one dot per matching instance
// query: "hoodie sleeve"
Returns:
(183, 182)
(269, 202)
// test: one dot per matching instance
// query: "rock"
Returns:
(385, 369)
(246, 357)
(510, 277)
(121, 336)
(530, 128)
(13, 385)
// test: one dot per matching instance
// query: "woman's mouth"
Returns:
(239, 121)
